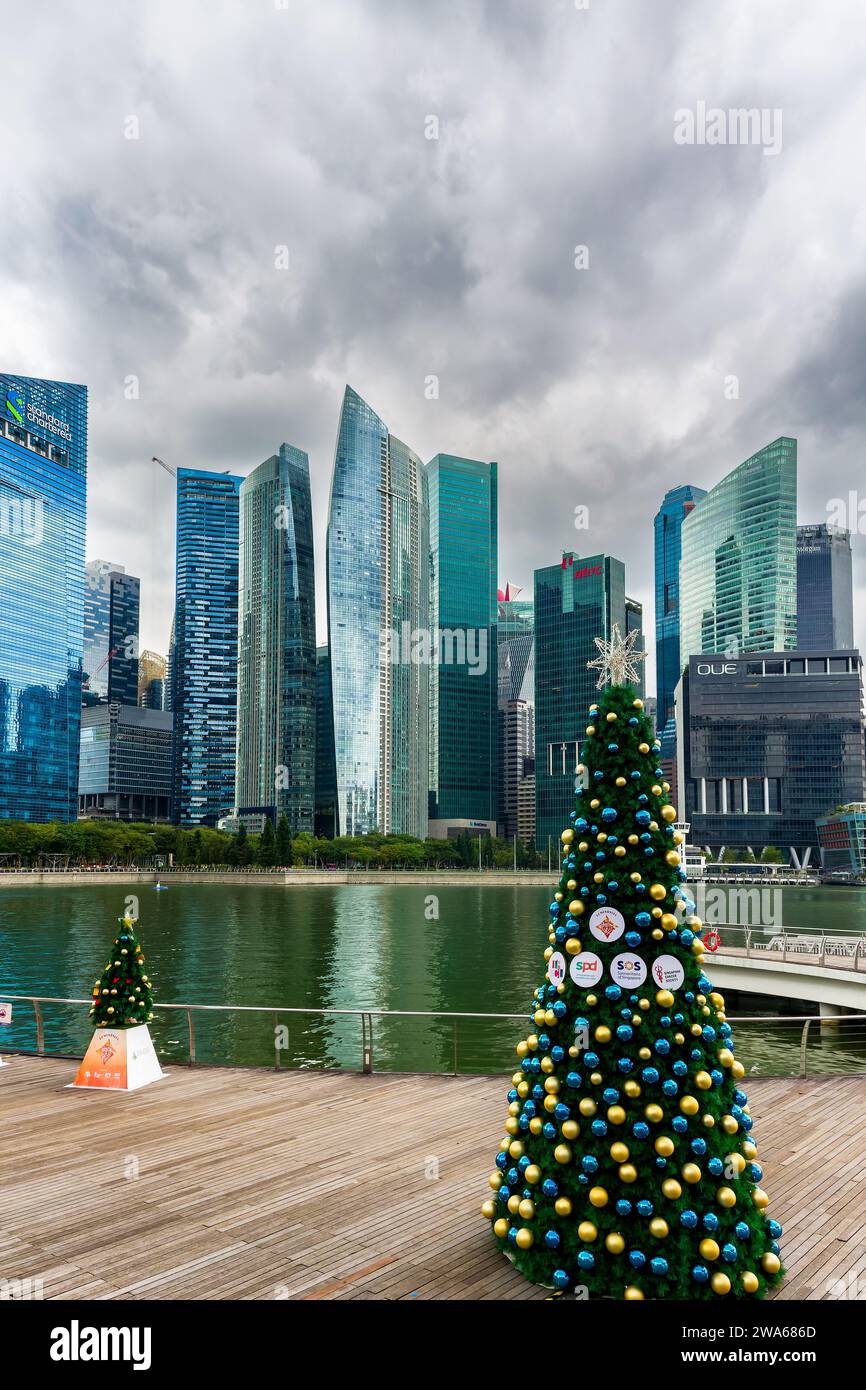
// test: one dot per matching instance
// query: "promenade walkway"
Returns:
(226, 1183)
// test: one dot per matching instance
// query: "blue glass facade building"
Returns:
(43, 485)
(111, 612)
(378, 557)
(276, 738)
(675, 507)
(825, 592)
(463, 501)
(204, 651)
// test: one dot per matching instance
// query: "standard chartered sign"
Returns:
(36, 415)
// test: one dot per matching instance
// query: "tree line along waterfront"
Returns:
(99, 844)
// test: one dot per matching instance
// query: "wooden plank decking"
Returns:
(225, 1183)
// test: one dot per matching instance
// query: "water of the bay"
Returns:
(472, 949)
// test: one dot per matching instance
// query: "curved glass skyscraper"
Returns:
(43, 482)
(276, 749)
(378, 600)
(738, 586)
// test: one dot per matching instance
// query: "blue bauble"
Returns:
(586, 1260)
(553, 909)
(729, 1253)
(625, 1032)
(549, 1131)
(650, 1075)
(613, 992)
(609, 814)
(637, 1259)
(599, 1128)
(716, 1167)
(644, 1208)
(643, 799)
(560, 1279)
(550, 1188)
(512, 1236)
(635, 776)
(679, 1124)
(711, 1221)
(552, 1240)
(640, 1130)
(613, 748)
(624, 1064)
(633, 939)
(642, 919)
(612, 885)
(589, 1163)
(561, 1112)
(679, 1069)
(560, 1008)
(699, 1146)
(643, 817)
(601, 898)
(742, 1231)
(661, 1046)
(623, 1207)
(755, 1172)
(591, 1059)
(573, 1080)
(598, 776)
(634, 721)
(502, 1160)
(689, 1219)
(659, 1265)
(557, 1053)
(700, 1274)
(775, 1229)
(610, 1095)
(670, 1088)
(649, 851)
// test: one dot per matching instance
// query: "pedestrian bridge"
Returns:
(799, 965)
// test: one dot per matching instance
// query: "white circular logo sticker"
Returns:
(556, 968)
(606, 924)
(628, 970)
(668, 972)
(586, 969)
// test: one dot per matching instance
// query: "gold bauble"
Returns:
(703, 1080)
(526, 1209)
(558, 897)
(619, 852)
(583, 847)
(598, 878)
(562, 1153)
(592, 1000)
(689, 1105)
(726, 1197)
(513, 1203)
(669, 922)
(536, 1125)
(635, 878)
(709, 1249)
(643, 748)
(547, 1064)
(598, 1197)
(632, 1088)
(590, 730)
(576, 908)
(602, 1033)
(611, 717)
(488, 1210)
(495, 1181)
(654, 1113)
(658, 1228)
(720, 1283)
(551, 1085)
(658, 891)
(548, 953)
(759, 1197)
(644, 1053)
(633, 1294)
(567, 836)
(643, 1004)
(587, 1231)
(668, 813)
(595, 803)
(619, 1152)
(571, 1129)
(572, 946)
(628, 1173)
(726, 1057)
(532, 1041)
(737, 1162)
(750, 1148)
(738, 1070)
(672, 858)
(664, 999)
(637, 704)
(691, 1172)
(532, 1174)
(749, 1281)
(500, 1228)
(562, 1206)
(614, 1243)
(708, 1120)
(512, 1126)
(656, 790)
(633, 839)
(550, 1103)
(729, 1124)
(524, 1238)
(671, 1188)
(664, 1146)
(587, 1106)
(771, 1263)
(620, 782)
(515, 1148)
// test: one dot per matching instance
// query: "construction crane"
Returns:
(85, 684)
(166, 466)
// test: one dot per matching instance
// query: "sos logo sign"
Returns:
(628, 970)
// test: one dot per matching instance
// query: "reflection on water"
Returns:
(474, 949)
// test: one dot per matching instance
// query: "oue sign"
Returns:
(717, 668)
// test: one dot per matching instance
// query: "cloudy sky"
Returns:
(430, 169)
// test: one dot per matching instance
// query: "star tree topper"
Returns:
(617, 663)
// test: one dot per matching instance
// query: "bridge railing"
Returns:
(421, 1041)
(798, 944)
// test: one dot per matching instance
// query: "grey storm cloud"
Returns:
(160, 155)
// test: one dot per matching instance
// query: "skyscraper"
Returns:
(676, 506)
(378, 598)
(276, 736)
(463, 546)
(111, 608)
(634, 623)
(204, 653)
(326, 771)
(738, 572)
(825, 594)
(152, 681)
(516, 714)
(126, 769)
(575, 602)
(43, 478)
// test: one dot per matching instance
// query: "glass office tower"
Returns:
(276, 737)
(575, 601)
(326, 771)
(111, 608)
(738, 587)
(825, 591)
(676, 505)
(378, 597)
(634, 623)
(43, 482)
(463, 547)
(204, 651)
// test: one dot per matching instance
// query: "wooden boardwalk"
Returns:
(235, 1184)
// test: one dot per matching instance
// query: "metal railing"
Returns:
(846, 1029)
(843, 952)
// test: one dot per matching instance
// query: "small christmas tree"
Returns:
(123, 997)
(628, 1165)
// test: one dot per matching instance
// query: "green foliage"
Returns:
(627, 1101)
(771, 855)
(123, 995)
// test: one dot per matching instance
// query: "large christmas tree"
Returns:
(123, 997)
(628, 1168)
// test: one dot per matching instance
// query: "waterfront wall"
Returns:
(445, 878)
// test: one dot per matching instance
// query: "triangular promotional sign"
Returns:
(119, 1059)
